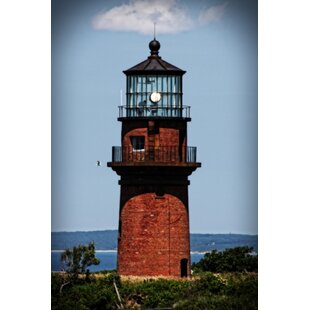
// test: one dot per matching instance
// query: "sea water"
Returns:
(107, 260)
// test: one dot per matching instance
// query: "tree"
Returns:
(231, 260)
(79, 258)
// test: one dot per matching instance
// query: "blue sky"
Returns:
(217, 46)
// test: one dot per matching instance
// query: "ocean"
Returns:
(107, 260)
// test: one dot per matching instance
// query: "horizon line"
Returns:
(197, 233)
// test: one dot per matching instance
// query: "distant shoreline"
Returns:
(115, 251)
(99, 251)
(115, 230)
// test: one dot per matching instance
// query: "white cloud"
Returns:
(140, 15)
(212, 14)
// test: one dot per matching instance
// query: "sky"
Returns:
(216, 43)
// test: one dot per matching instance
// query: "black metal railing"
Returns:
(164, 154)
(154, 111)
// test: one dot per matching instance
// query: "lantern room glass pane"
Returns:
(166, 103)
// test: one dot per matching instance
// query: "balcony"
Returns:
(168, 155)
(154, 111)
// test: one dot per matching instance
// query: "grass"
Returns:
(203, 291)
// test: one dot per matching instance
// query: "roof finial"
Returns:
(154, 45)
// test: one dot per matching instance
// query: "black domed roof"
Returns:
(154, 64)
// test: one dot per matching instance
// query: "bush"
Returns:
(80, 257)
(237, 259)
(222, 292)
(97, 294)
(153, 293)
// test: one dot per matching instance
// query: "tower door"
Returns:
(184, 262)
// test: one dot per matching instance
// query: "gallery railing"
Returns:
(163, 154)
(154, 111)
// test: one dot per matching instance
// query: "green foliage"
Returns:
(96, 294)
(222, 291)
(225, 291)
(243, 288)
(237, 259)
(226, 280)
(78, 258)
(227, 287)
(209, 282)
(153, 293)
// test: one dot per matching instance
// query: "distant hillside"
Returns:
(104, 240)
(208, 242)
(107, 240)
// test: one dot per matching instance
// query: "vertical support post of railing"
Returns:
(190, 152)
(151, 153)
(180, 153)
(113, 153)
(124, 155)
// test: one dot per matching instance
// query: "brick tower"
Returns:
(154, 163)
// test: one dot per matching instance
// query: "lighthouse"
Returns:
(154, 162)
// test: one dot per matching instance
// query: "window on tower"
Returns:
(137, 143)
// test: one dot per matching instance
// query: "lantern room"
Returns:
(154, 89)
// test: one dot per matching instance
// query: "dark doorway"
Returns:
(184, 262)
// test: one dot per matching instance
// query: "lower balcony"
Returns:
(168, 155)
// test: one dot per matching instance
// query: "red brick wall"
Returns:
(166, 134)
(168, 137)
(154, 236)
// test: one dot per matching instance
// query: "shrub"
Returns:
(237, 259)
(76, 260)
